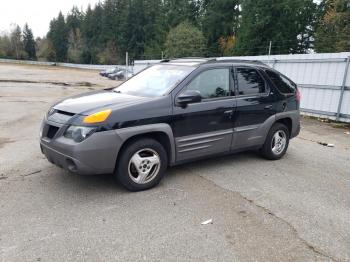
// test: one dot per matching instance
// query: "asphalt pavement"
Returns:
(295, 209)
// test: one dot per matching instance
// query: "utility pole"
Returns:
(162, 55)
(126, 65)
(270, 48)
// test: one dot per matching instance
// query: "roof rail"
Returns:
(188, 60)
(202, 60)
(235, 60)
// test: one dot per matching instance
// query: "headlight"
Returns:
(79, 133)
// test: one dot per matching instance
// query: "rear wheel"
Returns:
(142, 164)
(276, 143)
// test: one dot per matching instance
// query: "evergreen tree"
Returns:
(74, 20)
(29, 43)
(288, 24)
(178, 11)
(136, 33)
(333, 31)
(185, 40)
(58, 36)
(155, 29)
(92, 33)
(103, 33)
(220, 20)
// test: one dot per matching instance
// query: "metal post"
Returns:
(126, 65)
(343, 88)
(270, 52)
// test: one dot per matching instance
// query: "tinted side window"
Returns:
(283, 84)
(250, 82)
(212, 83)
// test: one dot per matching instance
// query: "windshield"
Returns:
(155, 81)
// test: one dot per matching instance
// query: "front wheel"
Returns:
(142, 164)
(276, 143)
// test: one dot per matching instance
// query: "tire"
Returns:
(270, 149)
(142, 164)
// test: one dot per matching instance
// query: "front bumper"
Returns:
(95, 155)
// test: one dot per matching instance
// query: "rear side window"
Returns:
(283, 84)
(250, 82)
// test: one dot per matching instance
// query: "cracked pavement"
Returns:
(295, 209)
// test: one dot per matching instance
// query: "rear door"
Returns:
(256, 105)
(205, 128)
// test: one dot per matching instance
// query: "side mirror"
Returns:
(188, 97)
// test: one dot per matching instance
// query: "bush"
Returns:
(185, 40)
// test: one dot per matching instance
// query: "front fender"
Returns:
(129, 132)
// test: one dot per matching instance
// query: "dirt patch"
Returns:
(329, 122)
(4, 140)
(88, 84)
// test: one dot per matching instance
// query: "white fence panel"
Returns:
(321, 78)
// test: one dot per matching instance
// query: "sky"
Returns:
(37, 13)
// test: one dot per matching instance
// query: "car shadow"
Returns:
(107, 183)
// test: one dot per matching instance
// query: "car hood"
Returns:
(88, 103)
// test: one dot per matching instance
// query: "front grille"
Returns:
(65, 113)
(51, 132)
(60, 117)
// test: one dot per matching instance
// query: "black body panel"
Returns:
(212, 126)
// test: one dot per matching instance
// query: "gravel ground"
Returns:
(295, 209)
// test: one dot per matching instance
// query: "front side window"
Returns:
(283, 84)
(250, 82)
(155, 81)
(212, 83)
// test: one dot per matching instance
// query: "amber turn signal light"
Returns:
(97, 117)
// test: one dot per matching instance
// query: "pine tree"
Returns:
(288, 24)
(58, 36)
(220, 20)
(92, 33)
(29, 43)
(155, 29)
(333, 31)
(74, 20)
(178, 11)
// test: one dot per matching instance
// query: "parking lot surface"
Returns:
(295, 209)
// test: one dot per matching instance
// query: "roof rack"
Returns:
(202, 60)
(235, 60)
(188, 60)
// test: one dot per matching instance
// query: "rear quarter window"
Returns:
(284, 85)
(250, 82)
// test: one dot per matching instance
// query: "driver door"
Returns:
(206, 127)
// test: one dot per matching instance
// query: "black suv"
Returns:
(170, 113)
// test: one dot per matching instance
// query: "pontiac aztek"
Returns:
(170, 113)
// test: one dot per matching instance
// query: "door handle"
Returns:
(268, 107)
(228, 112)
